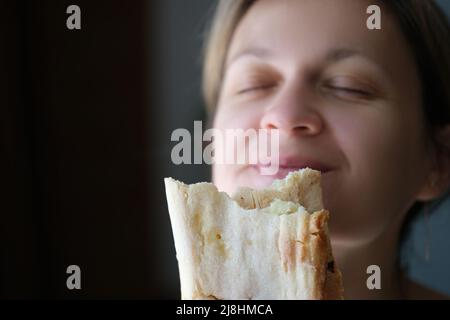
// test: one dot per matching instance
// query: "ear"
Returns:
(438, 180)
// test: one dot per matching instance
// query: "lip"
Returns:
(294, 163)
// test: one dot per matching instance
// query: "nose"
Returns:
(292, 110)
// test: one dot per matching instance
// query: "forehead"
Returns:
(294, 30)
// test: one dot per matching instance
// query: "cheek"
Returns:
(385, 160)
(228, 177)
(385, 147)
(230, 116)
(369, 140)
(381, 144)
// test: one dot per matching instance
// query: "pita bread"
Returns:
(259, 244)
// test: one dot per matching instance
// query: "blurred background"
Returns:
(86, 118)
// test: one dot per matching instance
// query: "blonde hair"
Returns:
(226, 18)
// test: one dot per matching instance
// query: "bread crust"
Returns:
(232, 248)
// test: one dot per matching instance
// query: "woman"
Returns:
(368, 108)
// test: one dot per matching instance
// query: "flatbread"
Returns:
(259, 244)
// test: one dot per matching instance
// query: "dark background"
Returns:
(86, 117)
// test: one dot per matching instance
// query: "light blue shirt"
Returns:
(425, 253)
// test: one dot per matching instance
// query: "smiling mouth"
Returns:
(285, 167)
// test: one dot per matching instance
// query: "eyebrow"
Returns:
(258, 52)
(334, 55)
(339, 54)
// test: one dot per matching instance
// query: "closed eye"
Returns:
(350, 91)
(255, 88)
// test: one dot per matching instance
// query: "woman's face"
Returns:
(346, 100)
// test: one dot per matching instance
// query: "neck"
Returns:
(353, 261)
